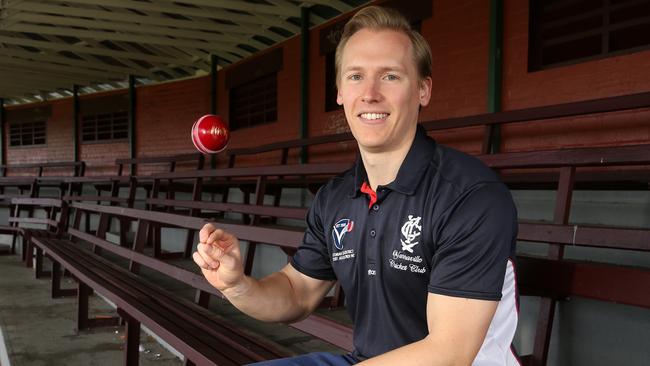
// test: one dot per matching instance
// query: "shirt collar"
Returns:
(410, 172)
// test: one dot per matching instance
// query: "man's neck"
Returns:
(382, 167)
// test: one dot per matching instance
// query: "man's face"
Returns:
(380, 90)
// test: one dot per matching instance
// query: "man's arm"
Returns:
(284, 296)
(457, 328)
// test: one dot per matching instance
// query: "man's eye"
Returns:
(354, 77)
(391, 77)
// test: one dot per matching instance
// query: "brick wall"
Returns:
(58, 145)
(612, 76)
(458, 34)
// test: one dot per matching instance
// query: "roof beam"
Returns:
(296, 10)
(125, 37)
(32, 18)
(141, 19)
(212, 13)
(90, 50)
(72, 70)
(36, 74)
(54, 58)
(242, 6)
(335, 4)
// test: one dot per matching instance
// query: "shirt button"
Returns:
(375, 207)
(373, 233)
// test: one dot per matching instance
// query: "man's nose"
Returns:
(371, 92)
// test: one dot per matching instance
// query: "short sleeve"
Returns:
(475, 238)
(312, 257)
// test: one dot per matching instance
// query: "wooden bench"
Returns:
(280, 176)
(53, 225)
(552, 277)
(25, 180)
(160, 164)
(39, 169)
(191, 329)
(487, 120)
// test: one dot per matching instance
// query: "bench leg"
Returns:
(13, 244)
(250, 255)
(189, 244)
(28, 252)
(57, 291)
(83, 292)
(202, 298)
(132, 341)
(38, 265)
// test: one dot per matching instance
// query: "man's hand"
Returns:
(286, 295)
(219, 257)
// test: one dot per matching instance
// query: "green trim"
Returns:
(495, 61)
(2, 131)
(75, 122)
(132, 114)
(213, 98)
(213, 83)
(304, 79)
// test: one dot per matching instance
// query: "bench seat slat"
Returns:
(119, 285)
(283, 212)
(172, 271)
(184, 315)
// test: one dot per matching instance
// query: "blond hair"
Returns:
(379, 18)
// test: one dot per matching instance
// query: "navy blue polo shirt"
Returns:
(445, 225)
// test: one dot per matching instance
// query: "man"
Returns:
(419, 236)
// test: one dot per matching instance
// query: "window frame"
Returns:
(604, 31)
(250, 92)
(85, 130)
(22, 125)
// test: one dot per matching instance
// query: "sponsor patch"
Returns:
(342, 227)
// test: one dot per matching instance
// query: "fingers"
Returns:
(221, 238)
(207, 256)
(205, 232)
(199, 261)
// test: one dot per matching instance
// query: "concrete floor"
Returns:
(39, 330)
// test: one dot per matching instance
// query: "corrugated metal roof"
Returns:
(47, 46)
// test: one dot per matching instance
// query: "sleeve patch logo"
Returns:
(339, 230)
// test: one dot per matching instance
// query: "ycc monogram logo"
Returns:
(411, 230)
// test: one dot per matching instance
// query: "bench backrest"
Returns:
(171, 161)
(602, 105)
(56, 209)
(38, 169)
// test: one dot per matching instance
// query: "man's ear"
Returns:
(425, 91)
(339, 98)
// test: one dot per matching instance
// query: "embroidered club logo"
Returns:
(411, 230)
(339, 230)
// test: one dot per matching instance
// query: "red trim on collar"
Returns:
(372, 195)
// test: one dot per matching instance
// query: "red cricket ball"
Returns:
(210, 134)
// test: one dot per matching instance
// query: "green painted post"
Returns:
(132, 114)
(2, 131)
(213, 98)
(494, 72)
(304, 79)
(75, 121)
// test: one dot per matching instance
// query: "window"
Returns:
(254, 102)
(27, 133)
(105, 127)
(569, 31)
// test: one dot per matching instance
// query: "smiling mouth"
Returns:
(373, 116)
